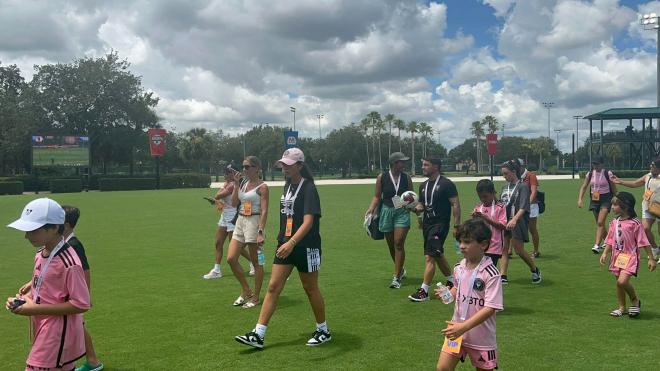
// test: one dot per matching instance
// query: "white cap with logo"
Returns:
(38, 213)
(291, 156)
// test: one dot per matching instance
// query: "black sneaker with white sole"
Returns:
(252, 339)
(419, 295)
(536, 276)
(319, 337)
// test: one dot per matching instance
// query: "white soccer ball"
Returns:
(409, 199)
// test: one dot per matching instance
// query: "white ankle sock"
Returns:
(260, 330)
(216, 267)
(425, 287)
(322, 327)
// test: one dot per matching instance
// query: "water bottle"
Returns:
(457, 247)
(445, 294)
(260, 256)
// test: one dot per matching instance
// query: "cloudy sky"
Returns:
(230, 64)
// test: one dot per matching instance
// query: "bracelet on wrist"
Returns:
(293, 240)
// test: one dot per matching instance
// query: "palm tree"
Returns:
(401, 125)
(373, 117)
(426, 131)
(389, 118)
(413, 127)
(477, 129)
(613, 151)
(492, 123)
(364, 126)
(379, 125)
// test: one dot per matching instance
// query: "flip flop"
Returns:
(241, 300)
(249, 304)
(616, 313)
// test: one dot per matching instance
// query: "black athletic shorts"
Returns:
(434, 239)
(305, 259)
(494, 257)
(521, 230)
(605, 202)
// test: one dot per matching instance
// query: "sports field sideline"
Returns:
(152, 310)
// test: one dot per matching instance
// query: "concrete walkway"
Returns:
(280, 183)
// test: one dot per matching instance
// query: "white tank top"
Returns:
(227, 200)
(652, 184)
(250, 196)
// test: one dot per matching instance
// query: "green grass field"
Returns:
(60, 156)
(153, 311)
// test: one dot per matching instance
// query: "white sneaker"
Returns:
(212, 274)
(403, 273)
(597, 249)
(251, 273)
(395, 284)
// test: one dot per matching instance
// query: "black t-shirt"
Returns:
(80, 250)
(307, 202)
(387, 189)
(439, 210)
(515, 197)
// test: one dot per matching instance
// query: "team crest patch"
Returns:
(479, 284)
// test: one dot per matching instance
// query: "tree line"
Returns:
(103, 99)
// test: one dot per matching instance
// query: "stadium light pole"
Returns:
(548, 106)
(557, 131)
(651, 22)
(319, 116)
(293, 109)
(577, 120)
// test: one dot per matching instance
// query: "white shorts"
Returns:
(226, 217)
(533, 210)
(246, 229)
(647, 215)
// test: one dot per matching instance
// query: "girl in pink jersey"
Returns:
(625, 237)
(493, 213)
(478, 293)
(59, 293)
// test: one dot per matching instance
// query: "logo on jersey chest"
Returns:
(479, 284)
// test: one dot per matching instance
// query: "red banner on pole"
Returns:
(157, 141)
(491, 139)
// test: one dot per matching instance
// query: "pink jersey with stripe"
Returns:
(486, 292)
(632, 238)
(498, 214)
(59, 340)
(599, 182)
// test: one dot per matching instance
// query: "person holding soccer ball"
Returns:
(625, 238)
(394, 218)
(438, 202)
(299, 246)
(478, 292)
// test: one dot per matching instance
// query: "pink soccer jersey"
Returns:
(486, 292)
(59, 340)
(599, 181)
(632, 238)
(498, 214)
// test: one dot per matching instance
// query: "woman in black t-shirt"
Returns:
(299, 246)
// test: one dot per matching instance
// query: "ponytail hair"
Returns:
(306, 173)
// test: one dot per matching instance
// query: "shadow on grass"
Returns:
(524, 281)
(341, 344)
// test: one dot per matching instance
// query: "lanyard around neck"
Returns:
(44, 269)
(290, 198)
(426, 192)
(464, 305)
(395, 184)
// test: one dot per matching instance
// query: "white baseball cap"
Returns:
(38, 213)
(291, 156)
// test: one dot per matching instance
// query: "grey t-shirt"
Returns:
(515, 196)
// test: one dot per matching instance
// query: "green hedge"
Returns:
(65, 185)
(11, 188)
(126, 184)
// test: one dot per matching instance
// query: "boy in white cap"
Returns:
(58, 294)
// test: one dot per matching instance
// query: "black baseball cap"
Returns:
(597, 160)
(628, 200)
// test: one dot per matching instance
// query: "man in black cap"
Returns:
(602, 189)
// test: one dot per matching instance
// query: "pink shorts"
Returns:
(483, 359)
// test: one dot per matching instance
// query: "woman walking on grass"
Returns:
(602, 190)
(299, 246)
